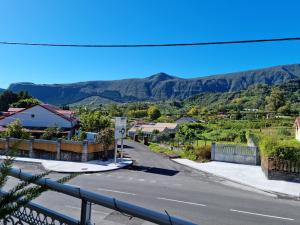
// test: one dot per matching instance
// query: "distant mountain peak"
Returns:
(159, 86)
(162, 76)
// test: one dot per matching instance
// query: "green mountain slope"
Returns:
(157, 87)
(252, 98)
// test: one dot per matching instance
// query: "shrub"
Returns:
(51, 133)
(15, 130)
(203, 152)
(280, 149)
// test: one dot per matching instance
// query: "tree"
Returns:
(94, 121)
(51, 132)
(193, 111)
(137, 113)
(26, 103)
(153, 113)
(275, 100)
(285, 110)
(7, 98)
(106, 138)
(15, 130)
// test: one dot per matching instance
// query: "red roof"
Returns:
(297, 121)
(66, 114)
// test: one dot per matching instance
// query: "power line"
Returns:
(149, 45)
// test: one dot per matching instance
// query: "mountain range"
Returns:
(160, 86)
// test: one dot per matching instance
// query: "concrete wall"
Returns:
(37, 116)
(235, 153)
(56, 150)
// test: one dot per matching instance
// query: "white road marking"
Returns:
(259, 214)
(142, 180)
(174, 200)
(115, 191)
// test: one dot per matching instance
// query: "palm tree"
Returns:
(23, 192)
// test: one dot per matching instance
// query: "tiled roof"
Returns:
(66, 114)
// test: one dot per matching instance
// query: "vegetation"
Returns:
(106, 138)
(15, 130)
(21, 100)
(94, 121)
(24, 191)
(153, 113)
(51, 133)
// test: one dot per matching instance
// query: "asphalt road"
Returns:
(158, 183)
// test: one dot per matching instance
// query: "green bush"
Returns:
(280, 149)
(203, 152)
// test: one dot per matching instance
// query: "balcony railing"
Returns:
(36, 214)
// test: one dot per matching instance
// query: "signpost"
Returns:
(120, 133)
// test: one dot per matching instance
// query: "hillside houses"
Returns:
(150, 128)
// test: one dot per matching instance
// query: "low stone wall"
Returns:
(281, 169)
(57, 150)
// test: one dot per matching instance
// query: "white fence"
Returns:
(235, 153)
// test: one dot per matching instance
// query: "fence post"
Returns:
(6, 144)
(86, 210)
(257, 156)
(84, 151)
(213, 150)
(58, 147)
(31, 153)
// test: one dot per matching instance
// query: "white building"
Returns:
(41, 116)
(297, 125)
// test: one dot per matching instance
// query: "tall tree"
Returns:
(6, 98)
(94, 121)
(153, 113)
(275, 100)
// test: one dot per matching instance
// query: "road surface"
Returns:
(158, 183)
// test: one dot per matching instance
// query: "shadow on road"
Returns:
(155, 170)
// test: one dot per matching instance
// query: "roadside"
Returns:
(76, 167)
(248, 175)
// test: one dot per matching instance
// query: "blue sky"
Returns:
(142, 21)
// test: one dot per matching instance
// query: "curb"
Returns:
(121, 166)
(277, 194)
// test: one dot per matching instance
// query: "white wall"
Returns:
(297, 133)
(37, 116)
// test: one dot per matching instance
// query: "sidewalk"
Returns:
(77, 167)
(246, 174)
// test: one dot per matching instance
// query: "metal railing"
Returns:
(87, 199)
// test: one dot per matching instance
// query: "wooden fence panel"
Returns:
(2, 144)
(20, 144)
(71, 146)
(48, 146)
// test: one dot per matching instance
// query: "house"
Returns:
(297, 126)
(186, 120)
(148, 129)
(39, 117)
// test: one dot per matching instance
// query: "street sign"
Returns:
(120, 127)
(120, 133)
